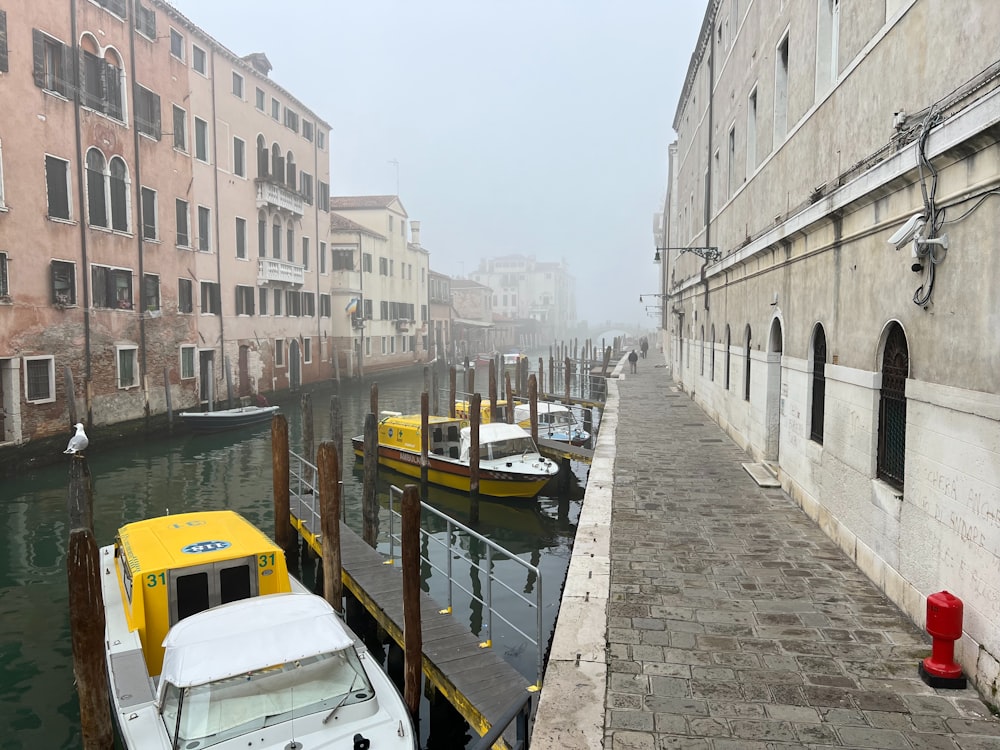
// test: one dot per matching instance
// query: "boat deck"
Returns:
(475, 680)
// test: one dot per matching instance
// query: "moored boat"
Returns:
(555, 422)
(509, 462)
(211, 643)
(227, 419)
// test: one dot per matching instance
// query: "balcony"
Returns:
(273, 195)
(272, 269)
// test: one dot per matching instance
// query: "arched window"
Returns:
(276, 238)
(746, 367)
(262, 171)
(892, 407)
(277, 163)
(290, 168)
(818, 383)
(727, 357)
(97, 199)
(119, 195)
(261, 234)
(290, 250)
(711, 356)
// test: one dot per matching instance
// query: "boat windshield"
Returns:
(505, 448)
(221, 710)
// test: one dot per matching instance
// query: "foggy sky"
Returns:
(537, 127)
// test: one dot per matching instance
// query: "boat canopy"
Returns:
(248, 635)
(506, 439)
(522, 412)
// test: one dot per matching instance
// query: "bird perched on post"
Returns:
(79, 441)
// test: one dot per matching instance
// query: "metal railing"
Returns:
(452, 551)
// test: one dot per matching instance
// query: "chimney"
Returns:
(415, 233)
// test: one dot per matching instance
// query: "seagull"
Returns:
(79, 441)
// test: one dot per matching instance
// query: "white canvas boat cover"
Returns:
(250, 634)
(523, 411)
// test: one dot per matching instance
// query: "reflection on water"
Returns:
(140, 479)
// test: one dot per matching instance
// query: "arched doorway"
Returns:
(772, 410)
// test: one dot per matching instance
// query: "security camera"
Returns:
(906, 232)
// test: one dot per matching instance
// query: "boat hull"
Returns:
(227, 419)
(456, 475)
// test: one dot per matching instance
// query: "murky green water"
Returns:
(38, 704)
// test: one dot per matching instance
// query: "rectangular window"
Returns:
(63, 283)
(185, 296)
(187, 362)
(150, 292)
(180, 129)
(111, 287)
(52, 64)
(325, 305)
(368, 309)
(4, 279)
(57, 187)
(307, 356)
(147, 113)
(305, 253)
(290, 244)
(200, 139)
(293, 303)
(259, 99)
(145, 20)
(368, 346)
(307, 130)
(39, 379)
(241, 238)
(148, 208)
(199, 59)
(383, 310)
(275, 109)
(211, 302)
(291, 120)
(309, 304)
(239, 157)
(128, 366)
(323, 193)
(827, 45)
(383, 340)
(781, 91)
(261, 237)
(306, 187)
(263, 301)
(204, 229)
(244, 300)
(383, 266)
(183, 228)
(237, 85)
(279, 352)
(278, 295)
(321, 139)
(752, 132)
(322, 257)
(731, 166)
(366, 262)
(176, 44)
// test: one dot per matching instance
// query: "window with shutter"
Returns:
(3, 41)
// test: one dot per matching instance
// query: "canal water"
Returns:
(184, 472)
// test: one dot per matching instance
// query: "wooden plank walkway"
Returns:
(475, 680)
(557, 449)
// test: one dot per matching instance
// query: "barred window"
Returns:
(892, 408)
(818, 384)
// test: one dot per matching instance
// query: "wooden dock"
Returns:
(474, 679)
(557, 449)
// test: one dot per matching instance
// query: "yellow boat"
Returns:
(509, 462)
(210, 643)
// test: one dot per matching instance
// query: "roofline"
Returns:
(704, 39)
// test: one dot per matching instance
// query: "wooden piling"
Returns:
(281, 482)
(412, 635)
(80, 496)
(452, 385)
(470, 380)
(166, 396)
(552, 375)
(369, 502)
(533, 406)
(474, 414)
(308, 434)
(435, 392)
(567, 377)
(541, 375)
(337, 432)
(510, 401)
(424, 438)
(493, 390)
(328, 469)
(229, 383)
(373, 399)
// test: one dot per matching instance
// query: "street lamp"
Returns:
(711, 254)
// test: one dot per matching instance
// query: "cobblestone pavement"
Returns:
(735, 623)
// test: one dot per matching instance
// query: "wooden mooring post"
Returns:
(412, 635)
(533, 406)
(86, 611)
(510, 400)
(373, 399)
(328, 469)
(474, 415)
(493, 390)
(424, 439)
(369, 502)
(452, 385)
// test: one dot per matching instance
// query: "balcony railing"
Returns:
(278, 196)
(272, 269)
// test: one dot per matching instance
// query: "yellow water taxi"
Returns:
(211, 643)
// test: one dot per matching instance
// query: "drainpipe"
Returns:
(140, 234)
(708, 170)
(85, 281)
(218, 246)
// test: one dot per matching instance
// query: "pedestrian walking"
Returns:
(632, 359)
(643, 346)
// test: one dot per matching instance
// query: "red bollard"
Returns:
(944, 624)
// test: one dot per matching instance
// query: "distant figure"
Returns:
(79, 441)
(632, 359)
(262, 400)
(643, 346)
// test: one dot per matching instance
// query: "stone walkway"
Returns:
(732, 621)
